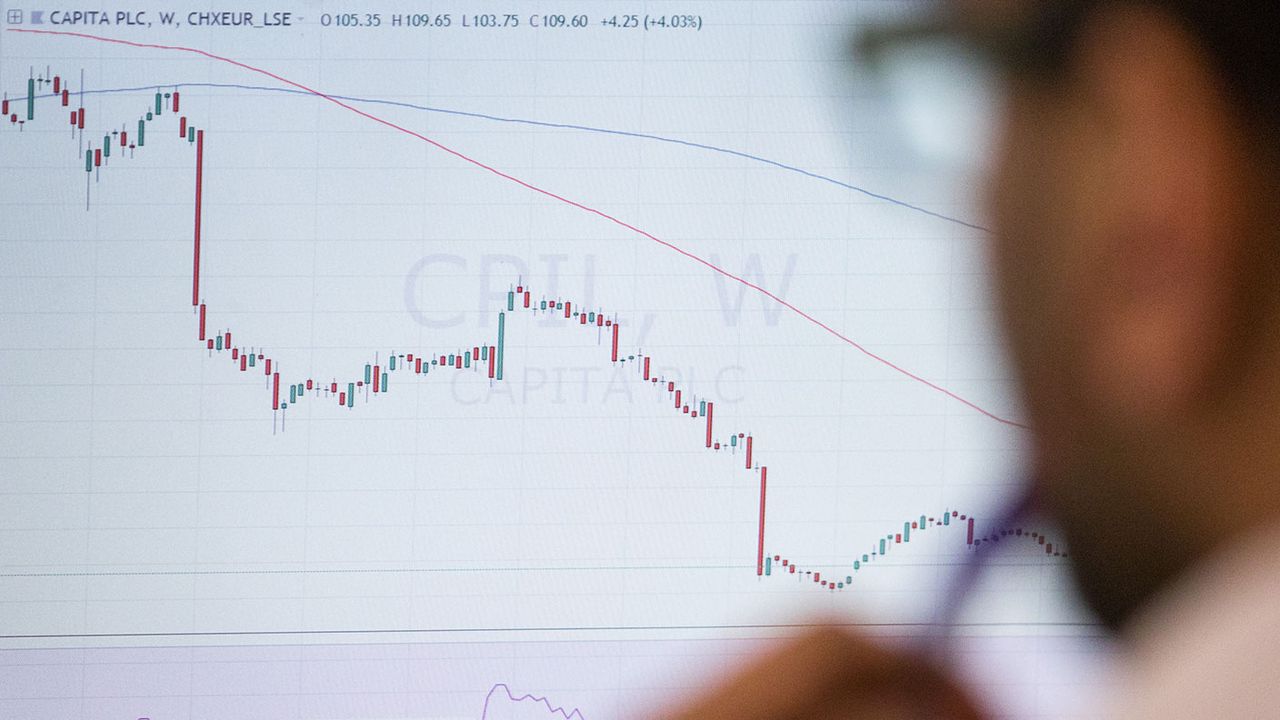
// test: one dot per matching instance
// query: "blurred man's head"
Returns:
(1138, 266)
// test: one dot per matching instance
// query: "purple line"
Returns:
(567, 715)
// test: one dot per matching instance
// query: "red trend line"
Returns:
(542, 191)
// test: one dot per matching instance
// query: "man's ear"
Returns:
(1159, 246)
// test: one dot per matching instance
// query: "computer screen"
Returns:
(490, 360)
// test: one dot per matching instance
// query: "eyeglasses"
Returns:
(1031, 38)
(945, 73)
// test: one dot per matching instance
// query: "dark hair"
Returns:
(1241, 39)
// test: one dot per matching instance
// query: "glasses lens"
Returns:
(945, 99)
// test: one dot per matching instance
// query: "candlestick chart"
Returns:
(248, 444)
(485, 358)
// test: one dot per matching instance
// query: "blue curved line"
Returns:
(557, 126)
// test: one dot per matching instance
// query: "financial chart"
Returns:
(524, 360)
